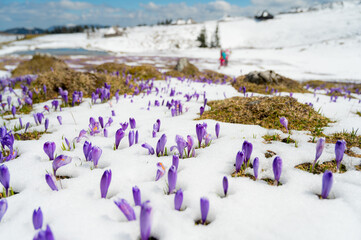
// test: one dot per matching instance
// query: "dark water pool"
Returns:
(64, 52)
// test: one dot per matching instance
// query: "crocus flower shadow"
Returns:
(328, 198)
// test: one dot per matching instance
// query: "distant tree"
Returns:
(215, 43)
(202, 38)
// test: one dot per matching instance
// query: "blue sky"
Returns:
(46, 13)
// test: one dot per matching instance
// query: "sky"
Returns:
(47, 13)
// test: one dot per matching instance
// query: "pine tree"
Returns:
(202, 38)
(215, 39)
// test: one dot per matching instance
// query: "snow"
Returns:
(302, 46)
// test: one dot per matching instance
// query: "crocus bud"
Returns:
(49, 149)
(137, 196)
(150, 148)
(277, 168)
(340, 148)
(5, 178)
(255, 167)
(217, 129)
(136, 137)
(160, 171)
(87, 147)
(201, 110)
(126, 209)
(132, 123)
(327, 181)
(105, 182)
(101, 121)
(118, 137)
(204, 209)
(175, 161)
(13, 110)
(284, 122)
(145, 221)
(50, 180)
(60, 120)
(239, 160)
(225, 185)
(172, 179)
(178, 199)
(3, 207)
(37, 219)
(319, 148)
(247, 148)
(95, 154)
(131, 138)
(46, 124)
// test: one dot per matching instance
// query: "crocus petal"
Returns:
(37, 219)
(178, 199)
(105, 182)
(204, 209)
(277, 168)
(255, 167)
(126, 209)
(5, 177)
(60, 161)
(225, 185)
(3, 207)
(150, 148)
(51, 182)
(145, 221)
(137, 196)
(49, 149)
(327, 181)
(172, 179)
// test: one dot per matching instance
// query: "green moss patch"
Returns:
(266, 112)
(39, 64)
(321, 168)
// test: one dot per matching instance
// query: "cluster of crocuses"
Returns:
(133, 135)
(77, 98)
(96, 127)
(11, 82)
(175, 107)
(340, 148)
(92, 153)
(41, 234)
(58, 161)
(202, 134)
(101, 93)
(161, 150)
(7, 143)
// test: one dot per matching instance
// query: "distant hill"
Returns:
(24, 31)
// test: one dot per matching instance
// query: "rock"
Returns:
(263, 15)
(181, 64)
(265, 77)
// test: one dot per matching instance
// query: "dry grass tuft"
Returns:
(143, 72)
(266, 111)
(39, 64)
(321, 168)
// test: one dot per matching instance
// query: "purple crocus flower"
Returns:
(132, 123)
(240, 158)
(113, 113)
(136, 137)
(55, 104)
(160, 171)
(60, 161)
(178, 199)
(150, 148)
(131, 138)
(82, 134)
(126, 209)
(21, 123)
(172, 179)
(60, 120)
(204, 209)
(40, 117)
(225, 185)
(3, 207)
(207, 139)
(181, 144)
(27, 126)
(9, 101)
(137, 196)
(105, 131)
(327, 181)
(37, 219)
(217, 129)
(50, 180)
(340, 148)
(190, 143)
(36, 119)
(101, 121)
(13, 110)
(319, 149)
(277, 168)
(161, 145)
(49, 149)
(247, 148)
(95, 154)
(255, 167)
(284, 122)
(87, 147)
(46, 124)
(5, 178)
(158, 122)
(201, 110)
(105, 182)
(145, 221)
(118, 137)
(200, 133)
(175, 161)
(46, 234)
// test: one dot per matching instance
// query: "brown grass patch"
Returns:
(35, 135)
(321, 168)
(143, 72)
(39, 64)
(266, 112)
(270, 154)
(283, 85)
(358, 113)
(242, 174)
